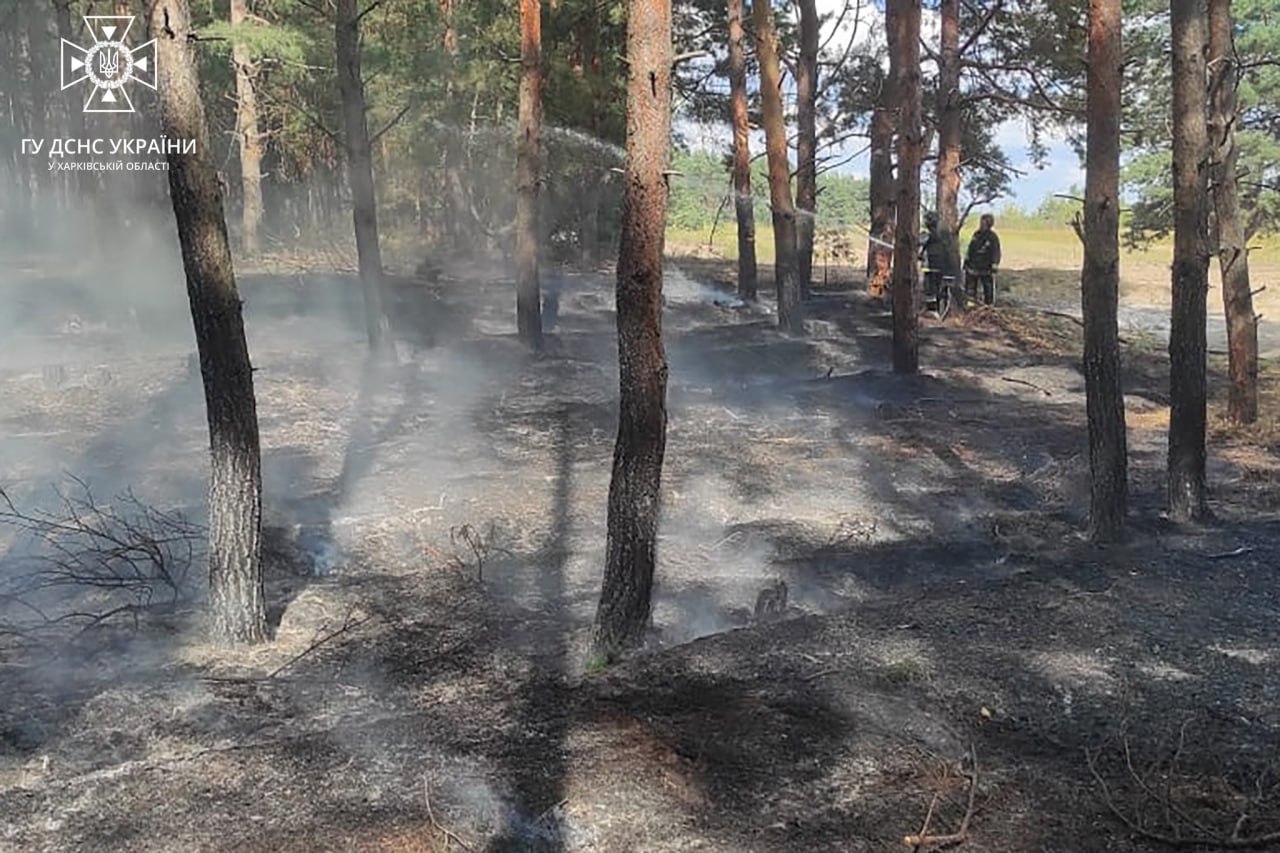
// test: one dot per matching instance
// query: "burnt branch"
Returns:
(124, 551)
(1167, 802)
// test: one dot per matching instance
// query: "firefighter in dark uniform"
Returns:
(933, 251)
(982, 260)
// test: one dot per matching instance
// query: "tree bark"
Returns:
(81, 186)
(248, 135)
(37, 45)
(1233, 258)
(950, 109)
(786, 271)
(1187, 380)
(364, 210)
(450, 37)
(634, 490)
(236, 594)
(1100, 277)
(883, 189)
(807, 144)
(743, 205)
(905, 70)
(528, 309)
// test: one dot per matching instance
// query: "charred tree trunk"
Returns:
(949, 137)
(37, 44)
(904, 67)
(66, 30)
(1187, 380)
(248, 136)
(364, 210)
(807, 144)
(634, 490)
(239, 613)
(1233, 258)
(1100, 277)
(884, 121)
(528, 309)
(743, 205)
(786, 271)
(81, 186)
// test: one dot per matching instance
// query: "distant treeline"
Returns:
(702, 189)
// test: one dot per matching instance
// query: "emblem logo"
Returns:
(108, 64)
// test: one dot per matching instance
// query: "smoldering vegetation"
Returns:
(433, 546)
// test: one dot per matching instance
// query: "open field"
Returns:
(1040, 262)
(426, 694)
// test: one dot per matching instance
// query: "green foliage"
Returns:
(1059, 210)
(280, 45)
(1147, 173)
(701, 192)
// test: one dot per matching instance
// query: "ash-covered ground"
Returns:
(435, 540)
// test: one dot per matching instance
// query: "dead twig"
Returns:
(449, 834)
(1039, 388)
(349, 624)
(924, 841)
(482, 545)
(124, 549)
(1179, 828)
(1236, 552)
(1062, 314)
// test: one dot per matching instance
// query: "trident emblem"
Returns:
(108, 64)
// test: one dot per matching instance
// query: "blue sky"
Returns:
(1063, 167)
(1060, 173)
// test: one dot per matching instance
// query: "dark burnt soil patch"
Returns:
(422, 694)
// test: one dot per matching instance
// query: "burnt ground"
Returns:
(424, 693)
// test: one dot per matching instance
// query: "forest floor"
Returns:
(436, 532)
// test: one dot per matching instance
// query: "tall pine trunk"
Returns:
(1100, 277)
(239, 613)
(883, 189)
(949, 136)
(83, 183)
(249, 136)
(1187, 380)
(1233, 258)
(450, 37)
(38, 90)
(807, 143)
(364, 209)
(743, 205)
(634, 490)
(904, 67)
(528, 309)
(785, 266)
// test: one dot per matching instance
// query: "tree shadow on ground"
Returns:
(825, 731)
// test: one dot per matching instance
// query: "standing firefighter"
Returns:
(933, 251)
(982, 260)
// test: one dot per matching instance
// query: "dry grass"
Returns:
(924, 527)
(1040, 261)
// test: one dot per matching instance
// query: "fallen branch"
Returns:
(349, 624)
(125, 552)
(924, 841)
(1073, 318)
(1179, 829)
(1237, 552)
(1042, 390)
